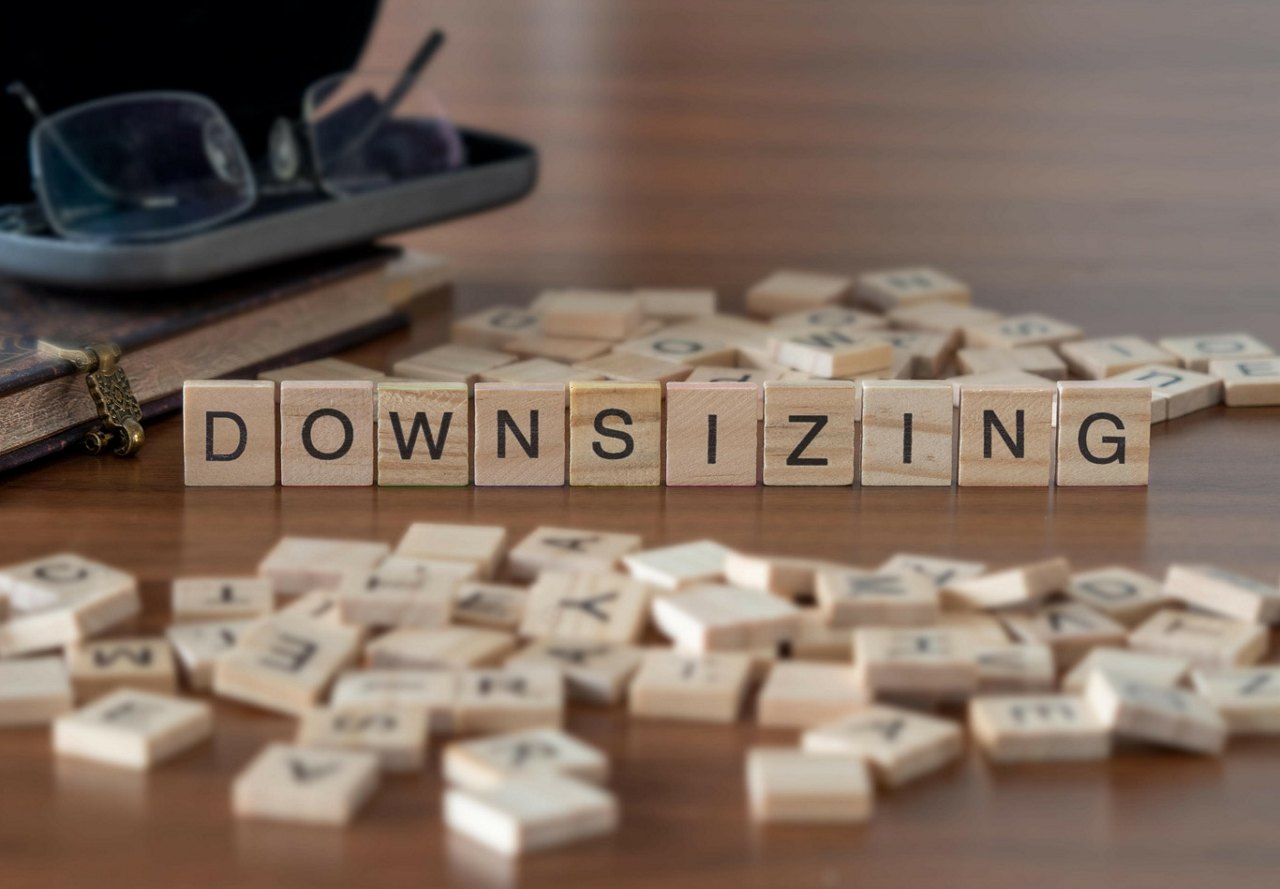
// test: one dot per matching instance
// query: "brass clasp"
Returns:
(118, 409)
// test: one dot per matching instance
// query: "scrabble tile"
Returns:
(711, 434)
(229, 432)
(1070, 629)
(1223, 592)
(615, 434)
(676, 303)
(816, 640)
(1122, 594)
(495, 606)
(520, 434)
(940, 570)
(928, 353)
(800, 695)
(594, 672)
(33, 691)
(564, 349)
(983, 630)
(698, 688)
(197, 646)
(321, 369)
(791, 786)
(400, 593)
(1001, 378)
(1022, 330)
(785, 576)
(850, 597)
(830, 352)
(809, 432)
(716, 617)
(590, 313)
(495, 327)
(450, 363)
(480, 545)
(1023, 585)
(284, 663)
(320, 607)
(1176, 392)
(690, 348)
(784, 292)
(907, 432)
(509, 698)
(626, 367)
(424, 434)
(922, 662)
(1152, 669)
(899, 745)
(414, 274)
(104, 665)
(547, 548)
(326, 432)
(1038, 728)
(132, 729)
(537, 370)
(1248, 699)
(756, 376)
(433, 693)
(1005, 668)
(486, 763)
(445, 647)
(948, 318)
(220, 598)
(1251, 383)
(291, 783)
(59, 599)
(903, 287)
(1104, 433)
(397, 736)
(531, 814)
(1196, 352)
(303, 564)
(830, 316)
(1157, 714)
(588, 607)
(1007, 436)
(1203, 639)
(1039, 360)
(679, 566)
(1096, 359)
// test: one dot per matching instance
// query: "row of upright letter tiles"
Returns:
(816, 432)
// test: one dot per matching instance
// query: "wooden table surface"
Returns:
(1110, 161)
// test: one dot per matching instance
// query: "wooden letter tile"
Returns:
(520, 434)
(1006, 436)
(1153, 669)
(569, 350)
(396, 735)
(1015, 669)
(433, 693)
(615, 434)
(1223, 592)
(1100, 358)
(1024, 585)
(1122, 594)
(291, 783)
(589, 607)
(529, 814)
(830, 353)
(229, 432)
(537, 371)
(941, 571)
(716, 617)
(284, 663)
(1070, 629)
(784, 292)
(920, 663)
(482, 546)
(1196, 352)
(568, 549)
(443, 648)
(1038, 728)
(1104, 433)
(594, 672)
(907, 432)
(104, 665)
(1248, 699)
(1253, 383)
(221, 598)
(60, 599)
(493, 328)
(1157, 714)
(326, 433)
(1022, 330)
(590, 314)
(784, 576)
(791, 786)
(450, 363)
(800, 695)
(698, 688)
(809, 432)
(628, 367)
(133, 729)
(687, 349)
(1041, 361)
(423, 434)
(305, 564)
(711, 434)
(33, 691)
(850, 597)
(676, 303)
(1203, 639)
(488, 762)
(401, 592)
(1176, 392)
(897, 288)
(899, 745)
(197, 646)
(496, 606)
(516, 697)
(679, 566)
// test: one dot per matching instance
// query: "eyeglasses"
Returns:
(153, 166)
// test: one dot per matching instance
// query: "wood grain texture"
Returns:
(1107, 162)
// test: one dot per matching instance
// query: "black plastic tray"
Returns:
(499, 171)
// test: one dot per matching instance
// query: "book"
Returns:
(280, 316)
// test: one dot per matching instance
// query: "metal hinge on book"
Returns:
(118, 409)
